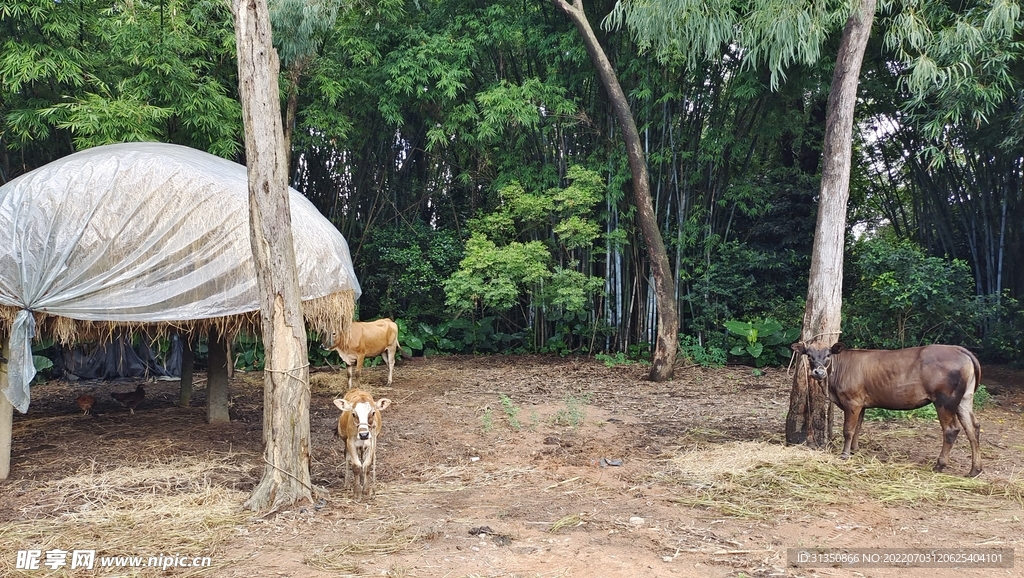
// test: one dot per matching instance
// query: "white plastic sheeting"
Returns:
(142, 232)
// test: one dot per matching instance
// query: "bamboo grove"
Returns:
(468, 153)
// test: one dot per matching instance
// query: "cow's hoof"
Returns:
(939, 467)
(844, 456)
(974, 472)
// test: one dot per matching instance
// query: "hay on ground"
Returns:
(761, 480)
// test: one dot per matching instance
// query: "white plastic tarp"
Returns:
(142, 232)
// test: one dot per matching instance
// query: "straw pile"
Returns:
(170, 506)
(761, 480)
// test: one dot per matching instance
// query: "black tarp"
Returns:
(122, 357)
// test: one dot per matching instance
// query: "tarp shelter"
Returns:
(146, 235)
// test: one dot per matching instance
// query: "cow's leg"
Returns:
(373, 476)
(390, 358)
(856, 433)
(947, 420)
(973, 431)
(367, 461)
(357, 368)
(358, 473)
(850, 417)
(351, 463)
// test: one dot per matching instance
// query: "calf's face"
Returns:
(820, 358)
(363, 416)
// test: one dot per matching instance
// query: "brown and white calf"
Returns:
(359, 425)
(944, 375)
(366, 339)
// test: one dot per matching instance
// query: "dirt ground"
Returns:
(505, 466)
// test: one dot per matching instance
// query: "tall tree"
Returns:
(808, 419)
(664, 358)
(300, 27)
(286, 437)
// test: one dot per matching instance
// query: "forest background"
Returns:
(467, 152)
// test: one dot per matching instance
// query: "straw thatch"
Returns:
(324, 315)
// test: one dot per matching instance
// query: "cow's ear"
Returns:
(343, 404)
(839, 346)
(383, 403)
(799, 347)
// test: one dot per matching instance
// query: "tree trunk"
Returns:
(286, 477)
(217, 379)
(664, 358)
(809, 420)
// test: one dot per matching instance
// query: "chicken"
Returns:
(86, 402)
(130, 399)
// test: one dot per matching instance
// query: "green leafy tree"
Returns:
(82, 74)
(402, 268)
(530, 252)
(902, 297)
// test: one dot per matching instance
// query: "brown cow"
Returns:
(359, 425)
(945, 375)
(366, 339)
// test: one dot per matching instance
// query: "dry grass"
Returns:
(387, 536)
(172, 506)
(760, 480)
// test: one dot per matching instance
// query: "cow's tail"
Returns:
(400, 351)
(967, 403)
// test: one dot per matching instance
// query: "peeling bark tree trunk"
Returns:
(664, 358)
(810, 418)
(286, 437)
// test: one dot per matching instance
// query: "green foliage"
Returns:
(736, 280)
(611, 360)
(878, 414)
(249, 353)
(460, 335)
(511, 411)
(401, 269)
(981, 398)
(957, 62)
(574, 412)
(487, 420)
(505, 261)
(407, 339)
(765, 341)
(493, 277)
(571, 290)
(43, 365)
(96, 74)
(903, 298)
(1001, 320)
(318, 356)
(702, 355)
(773, 33)
(300, 27)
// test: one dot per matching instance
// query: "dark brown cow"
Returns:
(945, 375)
